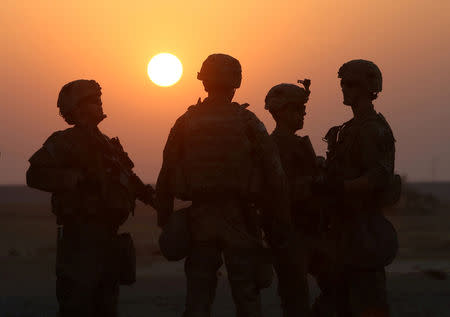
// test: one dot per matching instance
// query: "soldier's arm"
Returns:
(376, 148)
(275, 179)
(314, 166)
(164, 200)
(47, 174)
(143, 192)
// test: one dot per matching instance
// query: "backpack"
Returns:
(217, 155)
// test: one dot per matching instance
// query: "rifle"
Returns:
(119, 167)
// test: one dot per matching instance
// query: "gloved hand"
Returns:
(147, 195)
(321, 162)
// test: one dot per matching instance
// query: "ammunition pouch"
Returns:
(175, 238)
(127, 259)
(369, 244)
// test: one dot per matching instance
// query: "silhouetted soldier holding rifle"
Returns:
(94, 190)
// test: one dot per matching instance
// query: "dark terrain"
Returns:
(418, 280)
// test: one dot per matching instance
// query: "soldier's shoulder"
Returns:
(303, 141)
(194, 106)
(332, 134)
(184, 117)
(180, 122)
(54, 147)
(245, 113)
(240, 106)
(382, 120)
(250, 119)
(377, 129)
(61, 136)
(346, 125)
(108, 138)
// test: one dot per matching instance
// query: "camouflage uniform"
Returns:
(365, 241)
(211, 157)
(89, 213)
(299, 163)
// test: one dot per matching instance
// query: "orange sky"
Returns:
(45, 44)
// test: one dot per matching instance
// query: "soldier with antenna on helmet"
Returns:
(94, 190)
(287, 105)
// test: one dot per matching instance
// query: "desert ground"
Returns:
(418, 280)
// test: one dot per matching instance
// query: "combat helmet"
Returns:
(283, 94)
(73, 93)
(364, 71)
(221, 70)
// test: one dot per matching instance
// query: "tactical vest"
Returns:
(107, 199)
(341, 141)
(217, 156)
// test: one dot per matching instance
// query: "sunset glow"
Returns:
(165, 69)
(49, 43)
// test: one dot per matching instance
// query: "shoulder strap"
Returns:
(331, 138)
(115, 148)
(333, 133)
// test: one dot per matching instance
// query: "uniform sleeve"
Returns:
(377, 154)
(130, 180)
(276, 186)
(164, 185)
(48, 170)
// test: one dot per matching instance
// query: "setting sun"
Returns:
(164, 69)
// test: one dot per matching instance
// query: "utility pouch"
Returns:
(175, 238)
(127, 259)
(370, 244)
